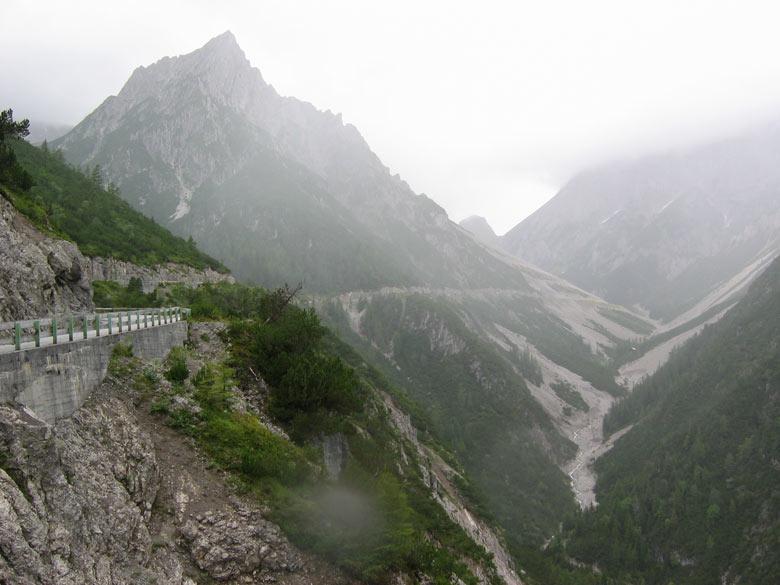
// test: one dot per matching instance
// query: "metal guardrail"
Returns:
(22, 335)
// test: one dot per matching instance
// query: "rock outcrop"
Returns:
(42, 275)
(438, 477)
(39, 274)
(109, 497)
(76, 499)
(152, 276)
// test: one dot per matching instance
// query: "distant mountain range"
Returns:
(663, 232)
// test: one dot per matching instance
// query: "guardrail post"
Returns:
(110, 328)
(145, 323)
(70, 328)
(138, 319)
(85, 326)
(17, 336)
(53, 330)
(120, 321)
(37, 329)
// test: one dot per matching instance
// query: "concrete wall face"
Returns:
(54, 381)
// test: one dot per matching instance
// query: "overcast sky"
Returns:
(488, 107)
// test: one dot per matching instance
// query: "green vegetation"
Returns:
(11, 172)
(238, 441)
(177, 366)
(627, 351)
(530, 368)
(379, 517)
(223, 301)
(569, 395)
(79, 207)
(310, 388)
(108, 293)
(474, 403)
(690, 493)
(118, 364)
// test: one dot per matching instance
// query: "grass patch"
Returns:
(122, 363)
(177, 370)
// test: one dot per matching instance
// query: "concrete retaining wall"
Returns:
(55, 381)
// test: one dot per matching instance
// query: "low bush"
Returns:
(177, 366)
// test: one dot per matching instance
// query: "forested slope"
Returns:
(691, 494)
(78, 207)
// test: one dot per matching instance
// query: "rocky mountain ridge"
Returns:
(295, 184)
(662, 232)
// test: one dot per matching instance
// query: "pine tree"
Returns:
(96, 175)
(11, 172)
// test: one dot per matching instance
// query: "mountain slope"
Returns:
(280, 191)
(68, 203)
(186, 135)
(663, 231)
(690, 493)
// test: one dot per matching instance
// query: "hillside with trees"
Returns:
(691, 493)
(83, 207)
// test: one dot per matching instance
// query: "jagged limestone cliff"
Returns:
(39, 274)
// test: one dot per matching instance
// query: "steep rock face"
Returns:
(152, 276)
(42, 275)
(662, 231)
(76, 498)
(99, 499)
(39, 274)
(440, 477)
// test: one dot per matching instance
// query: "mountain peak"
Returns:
(480, 228)
(223, 48)
(225, 42)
